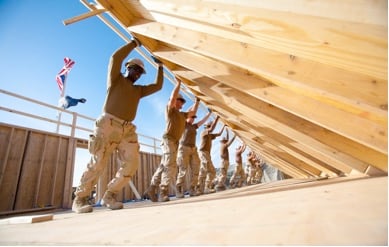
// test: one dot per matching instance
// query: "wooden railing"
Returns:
(37, 162)
(71, 121)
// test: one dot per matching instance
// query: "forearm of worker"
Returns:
(221, 131)
(151, 88)
(116, 60)
(195, 106)
(232, 140)
(173, 95)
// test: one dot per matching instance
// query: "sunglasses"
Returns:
(136, 68)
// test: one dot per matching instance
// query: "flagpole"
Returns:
(60, 111)
(62, 81)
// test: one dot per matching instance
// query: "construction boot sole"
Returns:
(180, 195)
(83, 209)
(115, 207)
(152, 197)
(164, 199)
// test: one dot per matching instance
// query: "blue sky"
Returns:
(33, 43)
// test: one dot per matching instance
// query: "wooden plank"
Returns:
(355, 97)
(348, 45)
(318, 83)
(29, 175)
(40, 176)
(65, 168)
(120, 10)
(352, 60)
(26, 219)
(83, 16)
(297, 74)
(11, 165)
(346, 10)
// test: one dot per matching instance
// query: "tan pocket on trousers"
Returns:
(93, 144)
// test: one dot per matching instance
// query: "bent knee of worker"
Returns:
(182, 161)
(169, 158)
(128, 170)
(129, 152)
(95, 144)
(169, 170)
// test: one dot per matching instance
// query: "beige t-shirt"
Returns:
(238, 157)
(189, 136)
(175, 123)
(224, 155)
(206, 140)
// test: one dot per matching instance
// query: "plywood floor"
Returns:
(339, 211)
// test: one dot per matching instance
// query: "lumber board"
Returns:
(346, 10)
(26, 219)
(367, 108)
(297, 74)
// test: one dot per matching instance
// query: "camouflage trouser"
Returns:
(207, 170)
(258, 175)
(110, 135)
(238, 172)
(251, 174)
(166, 171)
(221, 179)
(187, 157)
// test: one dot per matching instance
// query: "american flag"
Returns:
(61, 76)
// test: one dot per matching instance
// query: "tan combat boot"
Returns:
(81, 205)
(201, 185)
(152, 193)
(220, 187)
(163, 195)
(209, 188)
(194, 192)
(110, 202)
(179, 191)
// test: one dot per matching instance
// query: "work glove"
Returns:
(156, 60)
(137, 42)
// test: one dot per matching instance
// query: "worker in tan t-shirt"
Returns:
(188, 156)
(252, 161)
(225, 143)
(238, 174)
(258, 169)
(175, 125)
(207, 169)
(114, 130)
